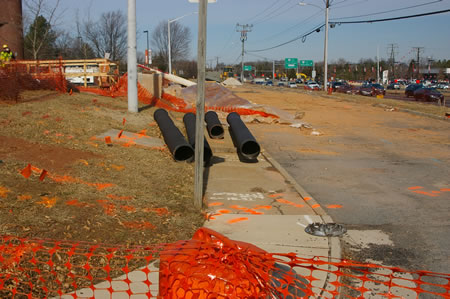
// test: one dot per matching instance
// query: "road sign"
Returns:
(306, 63)
(247, 67)
(290, 63)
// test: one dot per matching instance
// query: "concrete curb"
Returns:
(334, 243)
(303, 193)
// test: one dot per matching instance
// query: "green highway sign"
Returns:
(247, 67)
(290, 63)
(306, 63)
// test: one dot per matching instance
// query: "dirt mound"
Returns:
(231, 82)
(215, 95)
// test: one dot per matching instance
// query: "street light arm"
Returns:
(310, 4)
(176, 19)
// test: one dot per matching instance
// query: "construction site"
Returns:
(304, 192)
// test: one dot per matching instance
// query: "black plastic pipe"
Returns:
(213, 125)
(246, 144)
(181, 150)
(189, 120)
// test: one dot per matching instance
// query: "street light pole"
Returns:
(146, 50)
(168, 37)
(169, 50)
(325, 51)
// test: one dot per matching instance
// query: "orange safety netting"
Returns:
(208, 266)
(17, 76)
(167, 101)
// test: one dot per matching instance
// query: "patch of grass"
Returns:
(150, 197)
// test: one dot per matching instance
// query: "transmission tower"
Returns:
(392, 52)
(418, 49)
(243, 29)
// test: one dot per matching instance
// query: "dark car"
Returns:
(409, 90)
(428, 94)
(372, 89)
(393, 85)
(336, 85)
(348, 89)
(269, 83)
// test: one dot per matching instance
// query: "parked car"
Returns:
(372, 89)
(393, 85)
(299, 81)
(313, 85)
(409, 90)
(269, 83)
(336, 85)
(428, 94)
(348, 89)
(442, 86)
(292, 84)
(281, 83)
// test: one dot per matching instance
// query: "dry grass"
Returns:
(149, 201)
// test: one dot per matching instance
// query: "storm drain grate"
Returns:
(325, 229)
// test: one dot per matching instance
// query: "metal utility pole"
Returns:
(392, 51)
(325, 51)
(418, 49)
(131, 59)
(147, 54)
(378, 64)
(273, 70)
(200, 105)
(243, 30)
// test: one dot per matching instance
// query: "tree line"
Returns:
(46, 38)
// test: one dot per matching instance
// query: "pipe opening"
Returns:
(217, 131)
(250, 148)
(183, 153)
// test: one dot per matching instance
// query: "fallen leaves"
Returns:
(48, 202)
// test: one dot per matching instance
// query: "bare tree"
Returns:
(180, 38)
(39, 24)
(107, 35)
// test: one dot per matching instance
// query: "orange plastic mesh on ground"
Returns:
(168, 102)
(208, 266)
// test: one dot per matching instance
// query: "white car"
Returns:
(292, 84)
(312, 85)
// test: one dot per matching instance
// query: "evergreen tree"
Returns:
(40, 40)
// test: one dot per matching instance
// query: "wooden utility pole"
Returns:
(244, 29)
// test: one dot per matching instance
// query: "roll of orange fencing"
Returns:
(221, 268)
(208, 266)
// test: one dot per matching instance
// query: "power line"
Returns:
(395, 18)
(266, 16)
(273, 16)
(303, 37)
(388, 11)
(267, 8)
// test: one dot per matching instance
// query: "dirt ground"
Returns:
(91, 191)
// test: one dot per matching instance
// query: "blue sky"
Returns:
(277, 21)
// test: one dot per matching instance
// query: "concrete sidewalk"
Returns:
(260, 203)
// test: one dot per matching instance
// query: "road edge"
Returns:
(334, 243)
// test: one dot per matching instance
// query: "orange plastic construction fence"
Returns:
(17, 76)
(208, 266)
(167, 101)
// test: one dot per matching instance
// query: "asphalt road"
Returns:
(389, 171)
(402, 97)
